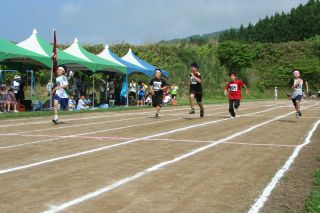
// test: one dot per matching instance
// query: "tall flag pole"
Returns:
(54, 64)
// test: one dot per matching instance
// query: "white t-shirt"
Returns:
(81, 105)
(133, 87)
(298, 90)
(62, 80)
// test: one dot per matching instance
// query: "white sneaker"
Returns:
(55, 121)
(16, 111)
(232, 117)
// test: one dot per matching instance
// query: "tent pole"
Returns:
(94, 90)
(127, 91)
(51, 85)
(31, 84)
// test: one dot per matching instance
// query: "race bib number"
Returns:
(157, 85)
(233, 87)
(193, 81)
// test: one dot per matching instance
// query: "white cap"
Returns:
(61, 68)
(296, 71)
(17, 77)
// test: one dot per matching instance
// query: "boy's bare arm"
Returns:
(225, 92)
(247, 90)
(151, 90)
(195, 78)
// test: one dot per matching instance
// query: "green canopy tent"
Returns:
(11, 53)
(100, 64)
(38, 45)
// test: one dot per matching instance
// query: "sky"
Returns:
(131, 21)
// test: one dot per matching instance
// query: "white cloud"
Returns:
(134, 21)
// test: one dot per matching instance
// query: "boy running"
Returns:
(195, 89)
(296, 91)
(234, 87)
(60, 93)
(157, 86)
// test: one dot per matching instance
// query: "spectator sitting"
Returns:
(167, 99)
(72, 103)
(148, 100)
(81, 104)
(11, 102)
(87, 100)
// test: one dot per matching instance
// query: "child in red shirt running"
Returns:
(235, 95)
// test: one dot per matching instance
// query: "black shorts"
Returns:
(62, 101)
(197, 95)
(157, 100)
(296, 99)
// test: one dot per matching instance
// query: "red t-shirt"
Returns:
(235, 89)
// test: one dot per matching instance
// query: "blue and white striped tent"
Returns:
(131, 68)
(133, 59)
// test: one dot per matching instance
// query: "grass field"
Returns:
(313, 201)
(126, 161)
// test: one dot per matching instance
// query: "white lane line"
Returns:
(112, 114)
(260, 144)
(110, 138)
(93, 117)
(156, 167)
(109, 116)
(88, 133)
(260, 201)
(9, 170)
(303, 117)
(88, 124)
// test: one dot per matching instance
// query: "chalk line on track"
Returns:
(71, 136)
(94, 117)
(121, 182)
(88, 118)
(106, 116)
(9, 170)
(260, 201)
(87, 124)
(103, 138)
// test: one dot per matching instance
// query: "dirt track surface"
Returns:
(133, 162)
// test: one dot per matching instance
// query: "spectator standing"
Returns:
(3, 95)
(83, 86)
(141, 94)
(103, 91)
(174, 90)
(49, 87)
(133, 89)
(275, 93)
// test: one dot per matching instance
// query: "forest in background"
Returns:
(264, 55)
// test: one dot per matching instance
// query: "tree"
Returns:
(235, 55)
